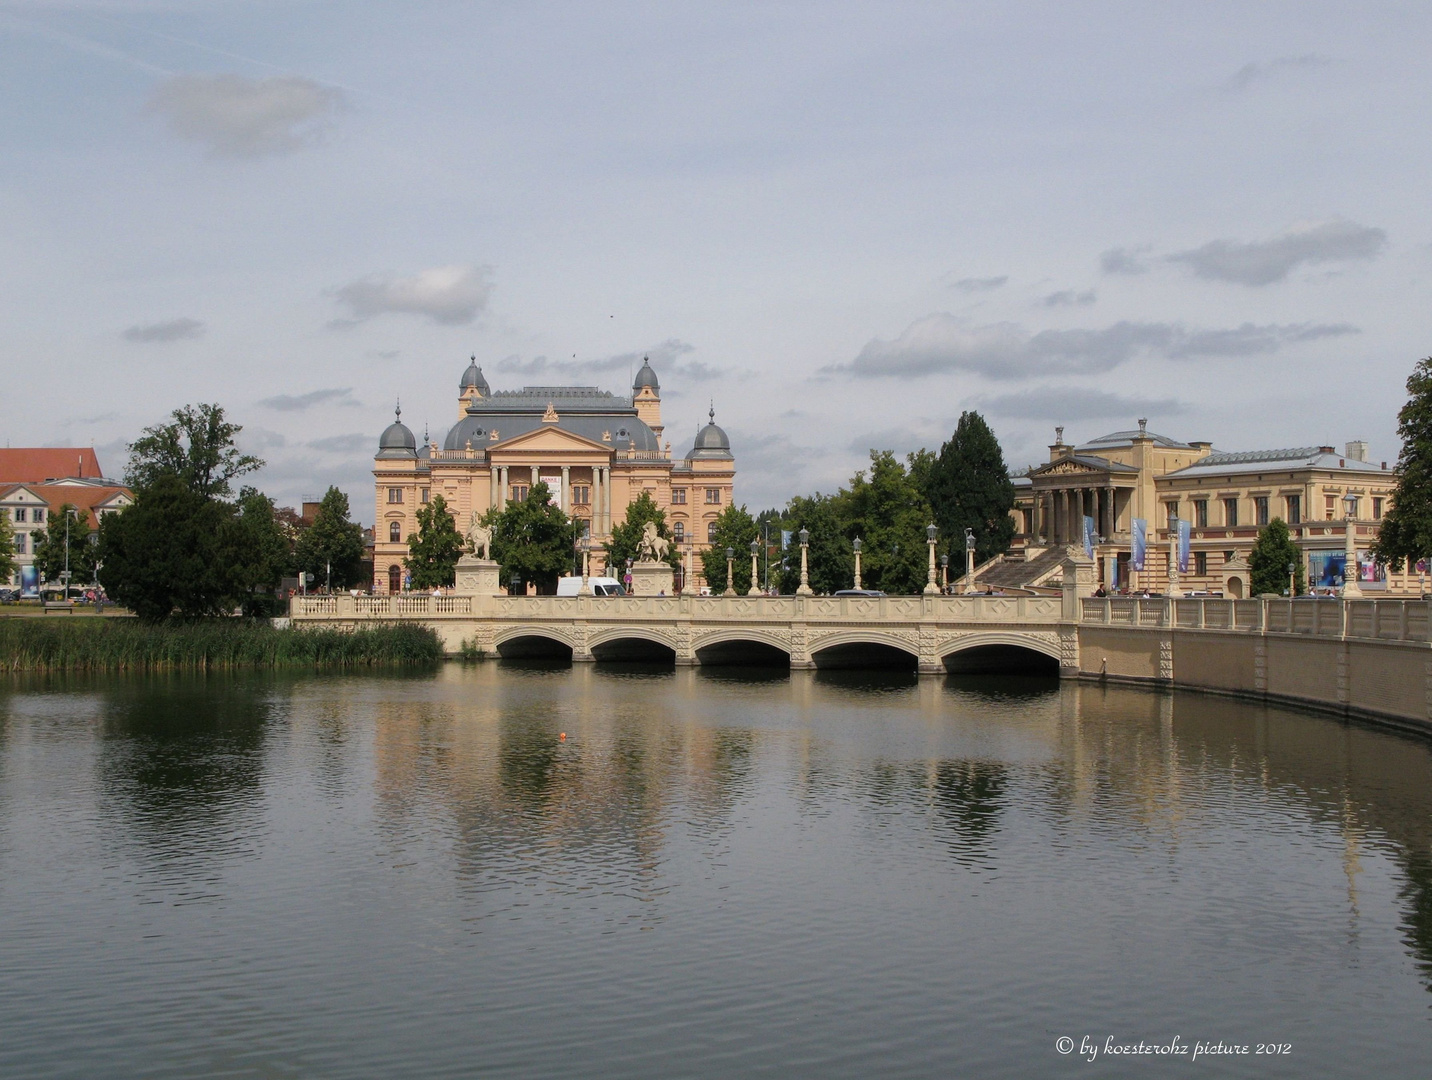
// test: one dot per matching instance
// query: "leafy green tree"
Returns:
(1268, 562)
(433, 551)
(263, 552)
(533, 539)
(1406, 533)
(735, 529)
(50, 550)
(197, 446)
(626, 534)
(7, 547)
(968, 487)
(333, 540)
(174, 552)
(830, 555)
(890, 515)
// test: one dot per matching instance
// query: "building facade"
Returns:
(1225, 497)
(37, 482)
(596, 452)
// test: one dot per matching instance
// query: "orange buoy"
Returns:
(563, 736)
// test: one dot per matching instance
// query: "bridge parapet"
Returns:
(1383, 620)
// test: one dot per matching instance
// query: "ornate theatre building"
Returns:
(596, 452)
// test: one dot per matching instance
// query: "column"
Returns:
(536, 476)
(502, 485)
(1109, 529)
(566, 489)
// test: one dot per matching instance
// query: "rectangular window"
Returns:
(1295, 509)
(1230, 512)
(20, 539)
(1260, 508)
(18, 513)
(711, 532)
(395, 495)
(586, 524)
(678, 530)
(713, 496)
(1376, 508)
(581, 495)
(1171, 509)
(1228, 556)
(38, 516)
(1200, 513)
(1330, 505)
(678, 496)
(519, 492)
(1200, 563)
(423, 495)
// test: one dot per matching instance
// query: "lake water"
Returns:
(716, 873)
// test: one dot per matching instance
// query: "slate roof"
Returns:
(1297, 457)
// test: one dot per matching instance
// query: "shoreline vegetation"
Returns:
(205, 645)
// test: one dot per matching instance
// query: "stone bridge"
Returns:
(925, 633)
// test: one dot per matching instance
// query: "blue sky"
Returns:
(843, 224)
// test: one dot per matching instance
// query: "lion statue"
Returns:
(653, 546)
(478, 536)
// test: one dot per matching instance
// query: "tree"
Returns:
(626, 535)
(7, 547)
(968, 487)
(173, 552)
(198, 447)
(829, 555)
(533, 539)
(1406, 533)
(433, 551)
(735, 529)
(50, 551)
(1268, 562)
(263, 552)
(890, 516)
(334, 541)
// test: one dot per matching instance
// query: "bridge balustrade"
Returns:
(1374, 619)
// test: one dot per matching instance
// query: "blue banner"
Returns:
(785, 539)
(1089, 536)
(1185, 534)
(1140, 528)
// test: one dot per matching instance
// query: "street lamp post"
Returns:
(730, 564)
(754, 590)
(969, 561)
(945, 572)
(328, 580)
(1292, 579)
(804, 588)
(586, 566)
(1351, 589)
(930, 533)
(856, 545)
(1173, 556)
(66, 575)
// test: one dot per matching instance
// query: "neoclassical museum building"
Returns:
(1225, 497)
(597, 452)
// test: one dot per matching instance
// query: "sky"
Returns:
(838, 225)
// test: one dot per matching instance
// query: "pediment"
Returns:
(551, 439)
(1068, 468)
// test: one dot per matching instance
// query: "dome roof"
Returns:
(711, 441)
(645, 377)
(397, 440)
(472, 377)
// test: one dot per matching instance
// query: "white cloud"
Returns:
(450, 295)
(666, 361)
(1069, 298)
(1262, 262)
(1075, 403)
(173, 330)
(344, 444)
(943, 343)
(1124, 261)
(298, 403)
(237, 116)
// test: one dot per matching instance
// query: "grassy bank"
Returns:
(216, 644)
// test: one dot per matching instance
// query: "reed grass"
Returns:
(69, 644)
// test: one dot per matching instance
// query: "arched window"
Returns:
(395, 578)
(678, 530)
(711, 532)
(395, 531)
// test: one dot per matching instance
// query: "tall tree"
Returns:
(829, 554)
(433, 551)
(51, 549)
(174, 552)
(533, 539)
(1406, 533)
(263, 552)
(890, 515)
(197, 446)
(735, 529)
(969, 488)
(1268, 562)
(333, 540)
(626, 534)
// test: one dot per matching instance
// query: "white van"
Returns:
(601, 586)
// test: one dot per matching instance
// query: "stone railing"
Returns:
(1386, 620)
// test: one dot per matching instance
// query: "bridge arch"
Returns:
(746, 647)
(639, 643)
(1003, 653)
(864, 648)
(533, 643)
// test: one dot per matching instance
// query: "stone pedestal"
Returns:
(652, 579)
(476, 577)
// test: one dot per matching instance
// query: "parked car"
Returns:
(600, 586)
(857, 592)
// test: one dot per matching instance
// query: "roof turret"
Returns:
(397, 441)
(711, 441)
(473, 378)
(645, 377)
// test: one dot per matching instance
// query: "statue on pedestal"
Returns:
(478, 536)
(653, 546)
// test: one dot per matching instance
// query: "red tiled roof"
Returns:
(80, 496)
(29, 465)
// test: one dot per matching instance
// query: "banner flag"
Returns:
(785, 539)
(1139, 540)
(1185, 534)
(1089, 536)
